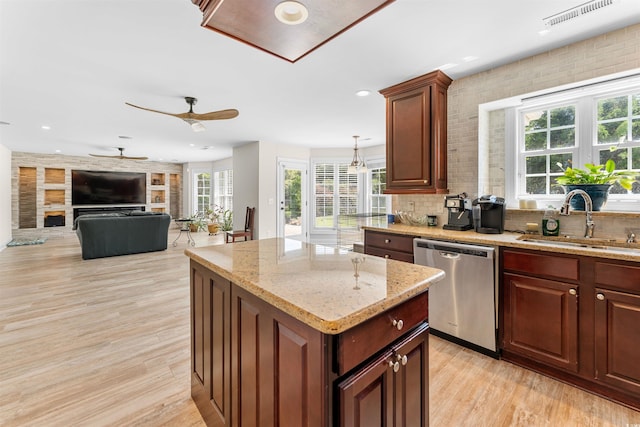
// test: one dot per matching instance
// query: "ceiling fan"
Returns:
(119, 156)
(194, 119)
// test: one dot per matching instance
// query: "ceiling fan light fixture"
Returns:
(291, 12)
(198, 127)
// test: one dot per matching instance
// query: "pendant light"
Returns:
(357, 164)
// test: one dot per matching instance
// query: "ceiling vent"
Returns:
(583, 9)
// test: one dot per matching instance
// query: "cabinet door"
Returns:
(211, 345)
(393, 389)
(541, 320)
(278, 367)
(409, 139)
(411, 406)
(618, 339)
(366, 397)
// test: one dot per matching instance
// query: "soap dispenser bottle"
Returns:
(550, 223)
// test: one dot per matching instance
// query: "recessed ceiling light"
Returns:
(469, 58)
(45, 127)
(291, 13)
(5, 123)
(363, 93)
(125, 137)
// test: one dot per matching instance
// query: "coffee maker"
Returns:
(488, 214)
(460, 217)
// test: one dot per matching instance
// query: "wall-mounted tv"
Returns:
(108, 188)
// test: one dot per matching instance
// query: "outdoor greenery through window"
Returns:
(549, 140)
(591, 128)
(202, 189)
(379, 201)
(618, 139)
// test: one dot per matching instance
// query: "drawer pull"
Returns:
(386, 255)
(600, 296)
(398, 324)
(573, 292)
(394, 365)
(402, 359)
(387, 240)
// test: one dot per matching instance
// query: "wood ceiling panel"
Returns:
(254, 22)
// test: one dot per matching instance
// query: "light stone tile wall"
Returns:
(599, 56)
(43, 161)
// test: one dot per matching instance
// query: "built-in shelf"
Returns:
(157, 179)
(54, 176)
(53, 197)
(54, 218)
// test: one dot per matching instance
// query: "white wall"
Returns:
(245, 184)
(5, 196)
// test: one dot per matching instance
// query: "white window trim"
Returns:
(586, 132)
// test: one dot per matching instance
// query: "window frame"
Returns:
(587, 149)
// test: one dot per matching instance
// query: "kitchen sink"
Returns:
(582, 242)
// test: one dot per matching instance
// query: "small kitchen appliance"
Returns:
(460, 217)
(488, 214)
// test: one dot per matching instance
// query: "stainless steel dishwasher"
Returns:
(462, 306)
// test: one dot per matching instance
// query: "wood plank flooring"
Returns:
(106, 343)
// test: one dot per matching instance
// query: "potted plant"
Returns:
(212, 217)
(224, 218)
(198, 222)
(595, 180)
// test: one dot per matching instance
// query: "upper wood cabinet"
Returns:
(417, 135)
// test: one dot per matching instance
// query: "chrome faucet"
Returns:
(631, 237)
(588, 207)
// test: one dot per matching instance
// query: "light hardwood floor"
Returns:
(106, 343)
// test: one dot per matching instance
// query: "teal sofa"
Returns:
(112, 234)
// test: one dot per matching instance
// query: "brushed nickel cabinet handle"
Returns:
(402, 359)
(399, 324)
(600, 296)
(573, 292)
(387, 241)
(394, 365)
(386, 255)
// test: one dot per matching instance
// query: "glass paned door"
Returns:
(292, 200)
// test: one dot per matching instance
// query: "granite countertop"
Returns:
(316, 284)
(508, 239)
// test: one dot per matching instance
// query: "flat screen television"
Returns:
(108, 188)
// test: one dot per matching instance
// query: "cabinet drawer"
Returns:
(557, 266)
(390, 254)
(389, 241)
(364, 340)
(618, 276)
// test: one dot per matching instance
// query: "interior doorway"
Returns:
(292, 199)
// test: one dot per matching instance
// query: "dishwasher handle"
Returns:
(449, 255)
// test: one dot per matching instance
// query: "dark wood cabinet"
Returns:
(392, 389)
(252, 364)
(417, 135)
(211, 344)
(389, 245)
(617, 334)
(574, 318)
(541, 320)
(277, 367)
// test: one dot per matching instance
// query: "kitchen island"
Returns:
(285, 333)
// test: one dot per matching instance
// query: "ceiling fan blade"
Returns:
(119, 157)
(133, 158)
(155, 111)
(213, 115)
(103, 155)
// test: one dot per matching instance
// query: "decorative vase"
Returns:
(213, 228)
(193, 227)
(598, 193)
